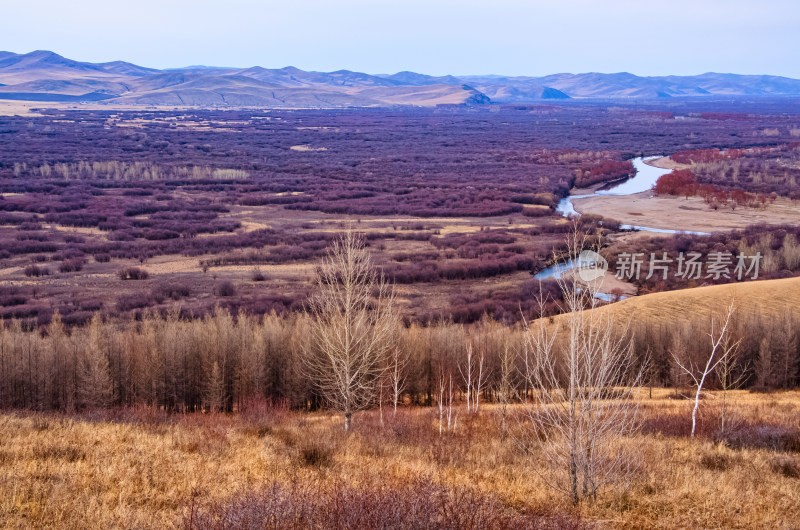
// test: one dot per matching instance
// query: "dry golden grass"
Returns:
(769, 297)
(62, 472)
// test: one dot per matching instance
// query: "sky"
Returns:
(437, 37)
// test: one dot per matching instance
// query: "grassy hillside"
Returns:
(768, 297)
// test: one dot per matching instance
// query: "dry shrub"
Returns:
(418, 504)
(740, 434)
(317, 453)
(786, 466)
(152, 419)
(679, 424)
(715, 461)
(261, 415)
(133, 273)
(40, 423)
(772, 437)
(403, 427)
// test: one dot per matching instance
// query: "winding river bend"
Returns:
(645, 178)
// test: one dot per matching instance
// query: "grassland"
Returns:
(142, 469)
(768, 297)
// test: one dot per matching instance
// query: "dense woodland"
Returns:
(224, 361)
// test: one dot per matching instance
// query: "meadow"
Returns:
(274, 467)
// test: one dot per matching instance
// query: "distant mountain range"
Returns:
(47, 76)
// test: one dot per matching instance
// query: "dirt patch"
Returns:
(608, 284)
(307, 148)
(692, 214)
(665, 162)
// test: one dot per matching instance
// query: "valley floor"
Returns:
(678, 213)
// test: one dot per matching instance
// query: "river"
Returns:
(645, 178)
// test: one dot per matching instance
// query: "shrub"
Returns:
(417, 504)
(226, 288)
(134, 301)
(71, 265)
(175, 292)
(763, 436)
(786, 466)
(133, 273)
(715, 462)
(315, 453)
(35, 271)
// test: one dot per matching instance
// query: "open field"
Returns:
(140, 468)
(692, 214)
(771, 298)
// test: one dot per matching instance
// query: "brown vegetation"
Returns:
(142, 468)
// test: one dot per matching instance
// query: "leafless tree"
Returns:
(398, 364)
(466, 375)
(730, 375)
(480, 382)
(445, 401)
(95, 386)
(585, 383)
(506, 390)
(721, 349)
(214, 390)
(474, 376)
(352, 327)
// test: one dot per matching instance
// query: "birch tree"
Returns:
(581, 370)
(398, 364)
(721, 350)
(352, 327)
(506, 389)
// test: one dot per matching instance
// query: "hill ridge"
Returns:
(26, 76)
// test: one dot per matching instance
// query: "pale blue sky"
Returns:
(512, 37)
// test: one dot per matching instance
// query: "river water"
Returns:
(645, 178)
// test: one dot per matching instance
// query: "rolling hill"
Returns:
(46, 76)
(768, 297)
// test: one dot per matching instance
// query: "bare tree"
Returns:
(585, 384)
(95, 388)
(474, 377)
(721, 349)
(480, 382)
(730, 375)
(506, 390)
(398, 364)
(214, 390)
(352, 327)
(466, 375)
